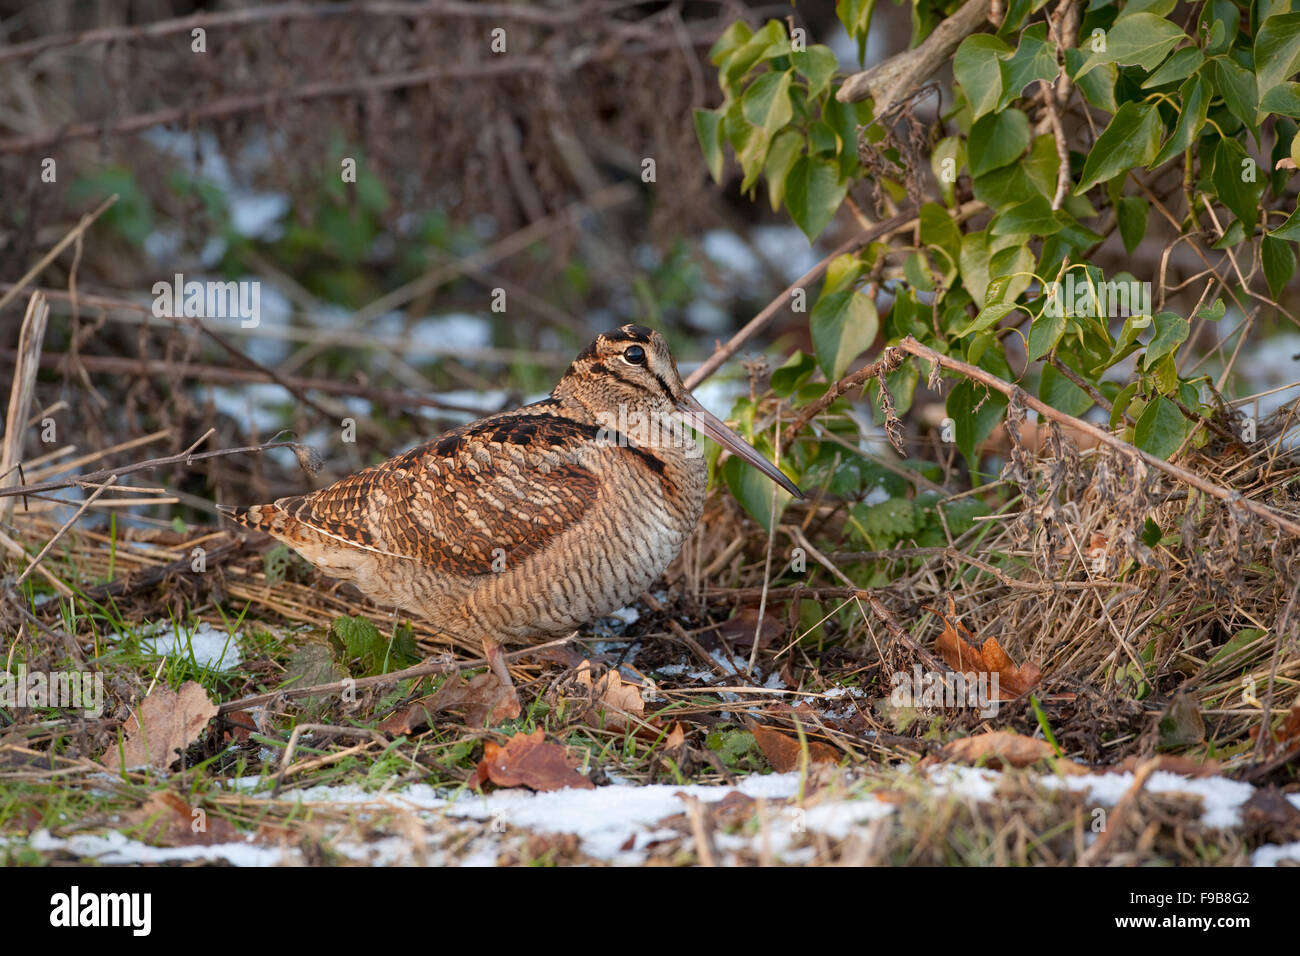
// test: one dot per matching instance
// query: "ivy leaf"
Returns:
(844, 324)
(769, 42)
(1283, 98)
(708, 124)
(1130, 141)
(1178, 67)
(1289, 230)
(754, 496)
(1161, 429)
(781, 157)
(1238, 89)
(793, 373)
(813, 192)
(1034, 60)
(1171, 332)
(1196, 95)
(1279, 263)
(1098, 85)
(1045, 333)
(1140, 39)
(1231, 167)
(767, 101)
(1033, 217)
(977, 68)
(1277, 51)
(1062, 394)
(988, 317)
(975, 412)
(817, 65)
(997, 140)
(1132, 213)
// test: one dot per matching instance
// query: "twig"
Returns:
(1117, 816)
(30, 337)
(902, 220)
(274, 12)
(886, 82)
(890, 360)
(186, 457)
(112, 479)
(53, 254)
(419, 670)
(1235, 498)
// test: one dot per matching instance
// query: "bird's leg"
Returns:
(509, 706)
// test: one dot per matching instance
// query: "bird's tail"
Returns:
(266, 518)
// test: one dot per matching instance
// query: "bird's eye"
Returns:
(635, 355)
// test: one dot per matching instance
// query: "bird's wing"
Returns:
(491, 492)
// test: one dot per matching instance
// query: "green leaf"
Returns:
(813, 192)
(997, 140)
(1236, 644)
(1213, 312)
(1045, 333)
(732, 39)
(1131, 140)
(1034, 60)
(708, 124)
(938, 229)
(946, 161)
(1279, 263)
(1177, 68)
(1161, 429)
(781, 157)
(1062, 394)
(978, 69)
(1237, 87)
(793, 373)
(754, 490)
(1033, 217)
(1196, 95)
(1098, 85)
(1232, 166)
(1142, 39)
(1277, 51)
(842, 273)
(769, 42)
(975, 412)
(817, 65)
(1131, 212)
(1283, 98)
(1289, 230)
(767, 101)
(988, 317)
(844, 324)
(1171, 332)
(886, 522)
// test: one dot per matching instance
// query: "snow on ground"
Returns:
(617, 823)
(211, 646)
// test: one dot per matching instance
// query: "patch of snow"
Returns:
(1275, 855)
(1222, 798)
(732, 253)
(114, 849)
(628, 615)
(211, 647)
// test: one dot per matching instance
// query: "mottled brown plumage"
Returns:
(526, 524)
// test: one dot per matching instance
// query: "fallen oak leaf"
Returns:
(528, 760)
(167, 820)
(956, 646)
(165, 724)
(1002, 748)
(481, 700)
(785, 753)
(616, 703)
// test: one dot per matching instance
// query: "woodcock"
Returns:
(530, 523)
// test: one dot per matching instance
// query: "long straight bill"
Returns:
(701, 419)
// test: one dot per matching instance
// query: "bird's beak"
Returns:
(699, 418)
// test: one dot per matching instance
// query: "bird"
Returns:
(527, 524)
